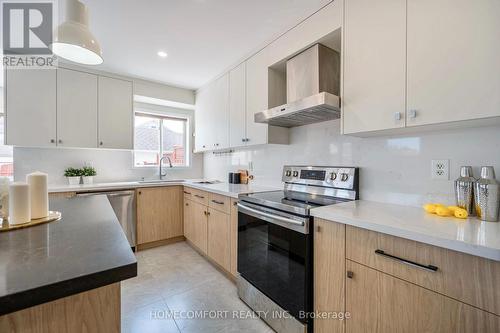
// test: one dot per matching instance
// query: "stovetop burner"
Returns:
(309, 187)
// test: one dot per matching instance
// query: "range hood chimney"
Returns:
(312, 90)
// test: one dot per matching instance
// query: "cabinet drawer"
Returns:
(219, 202)
(196, 195)
(378, 302)
(188, 194)
(467, 278)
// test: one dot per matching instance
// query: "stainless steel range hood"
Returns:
(312, 88)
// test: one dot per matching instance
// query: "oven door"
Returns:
(275, 256)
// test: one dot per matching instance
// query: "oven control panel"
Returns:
(336, 177)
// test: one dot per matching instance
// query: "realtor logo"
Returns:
(27, 33)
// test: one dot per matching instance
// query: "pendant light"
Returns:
(73, 39)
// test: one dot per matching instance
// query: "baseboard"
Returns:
(150, 245)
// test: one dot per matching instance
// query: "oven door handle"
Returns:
(271, 216)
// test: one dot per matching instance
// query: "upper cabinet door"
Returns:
(374, 65)
(237, 106)
(453, 60)
(256, 97)
(31, 121)
(115, 113)
(220, 111)
(76, 109)
(201, 120)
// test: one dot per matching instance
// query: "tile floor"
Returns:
(176, 280)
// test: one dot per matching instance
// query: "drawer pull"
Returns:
(199, 196)
(430, 268)
(218, 202)
(186, 192)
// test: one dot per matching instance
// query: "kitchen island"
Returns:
(64, 275)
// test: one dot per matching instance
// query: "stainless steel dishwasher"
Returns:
(123, 203)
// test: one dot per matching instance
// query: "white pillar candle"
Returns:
(39, 194)
(19, 203)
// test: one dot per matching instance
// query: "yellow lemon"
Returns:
(430, 208)
(443, 211)
(453, 208)
(461, 213)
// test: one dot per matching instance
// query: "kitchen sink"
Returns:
(161, 181)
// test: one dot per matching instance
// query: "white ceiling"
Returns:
(202, 37)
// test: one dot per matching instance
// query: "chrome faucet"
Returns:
(169, 163)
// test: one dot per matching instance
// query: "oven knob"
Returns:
(295, 173)
(288, 173)
(344, 177)
(333, 176)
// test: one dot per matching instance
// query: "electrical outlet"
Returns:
(440, 169)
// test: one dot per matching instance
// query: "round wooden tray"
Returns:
(53, 216)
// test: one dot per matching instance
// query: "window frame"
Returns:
(163, 112)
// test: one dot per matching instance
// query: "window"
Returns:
(6, 160)
(158, 136)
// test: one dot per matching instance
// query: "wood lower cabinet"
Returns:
(234, 237)
(378, 302)
(329, 274)
(211, 225)
(199, 232)
(96, 310)
(159, 213)
(219, 243)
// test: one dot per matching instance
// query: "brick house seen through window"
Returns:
(156, 136)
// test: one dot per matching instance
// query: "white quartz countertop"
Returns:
(470, 236)
(231, 190)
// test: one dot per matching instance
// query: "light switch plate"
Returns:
(440, 169)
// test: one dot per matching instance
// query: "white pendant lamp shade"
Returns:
(73, 39)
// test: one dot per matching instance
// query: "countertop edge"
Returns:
(478, 251)
(61, 289)
(132, 185)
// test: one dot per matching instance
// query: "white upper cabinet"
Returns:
(374, 65)
(76, 109)
(68, 108)
(212, 115)
(203, 140)
(256, 97)
(237, 106)
(220, 107)
(30, 107)
(453, 60)
(115, 113)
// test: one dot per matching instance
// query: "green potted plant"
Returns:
(88, 174)
(74, 175)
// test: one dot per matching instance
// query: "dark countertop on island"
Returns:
(84, 250)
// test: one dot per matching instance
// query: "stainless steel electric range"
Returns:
(275, 243)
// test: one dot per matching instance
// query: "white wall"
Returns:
(111, 165)
(394, 169)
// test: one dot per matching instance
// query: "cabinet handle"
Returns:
(199, 196)
(52, 141)
(430, 268)
(208, 213)
(187, 204)
(140, 192)
(218, 202)
(243, 140)
(186, 192)
(412, 114)
(204, 146)
(101, 143)
(397, 116)
(318, 228)
(60, 141)
(350, 274)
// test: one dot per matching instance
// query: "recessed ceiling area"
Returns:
(202, 37)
